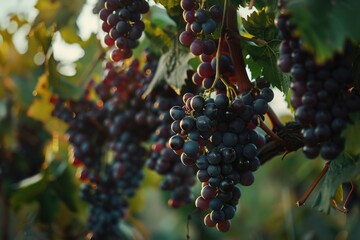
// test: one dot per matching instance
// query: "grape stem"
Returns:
(305, 196)
(219, 48)
(345, 210)
(251, 4)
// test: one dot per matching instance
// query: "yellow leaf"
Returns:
(338, 199)
(41, 107)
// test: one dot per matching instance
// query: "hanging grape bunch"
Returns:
(118, 126)
(216, 131)
(123, 25)
(322, 94)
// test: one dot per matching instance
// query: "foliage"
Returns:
(42, 198)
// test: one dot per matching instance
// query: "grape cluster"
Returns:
(110, 157)
(178, 178)
(201, 24)
(123, 25)
(322, 94)
(219, 138)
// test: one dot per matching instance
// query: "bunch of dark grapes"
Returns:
(201, 24)
(322, 94)
(123, 25)
(218, 137)
(106, 134)
(178, 179)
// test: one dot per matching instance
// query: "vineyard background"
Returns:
(40, 197)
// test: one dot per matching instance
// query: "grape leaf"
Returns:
(28, 190)
(172, 68)
(254, 67)
(351, 134)
(160, 18)
(342, 169)
(158, 36)
(325, 25)
(64, 176)
(48, 205)
(260, 25)
(60, 84)
(41, 107)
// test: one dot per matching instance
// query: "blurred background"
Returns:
(36, 207)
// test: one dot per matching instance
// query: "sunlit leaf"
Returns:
(62, 175)
(28, 190)
(41, 107)
(342, 169)
(172, 68)
(338, 199)
(261, 26)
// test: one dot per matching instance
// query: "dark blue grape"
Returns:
(177, 113)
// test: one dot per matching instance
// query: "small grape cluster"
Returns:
(123, 25)
(198, 35)
(200, 24)
(110, 157)
(322, 94)
(218, 138)
(178, 178)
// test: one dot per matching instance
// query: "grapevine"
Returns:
(177, 102)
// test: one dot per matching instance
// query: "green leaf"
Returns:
(28, 190)
(172, 68)
(325, 25)
(60, 84)
(48, 203)
(266, 57)
(63, 175)
(260, 25)
(159, 37)
(342, 169)
(168, 4)
(351, 134)
(160, 18)
(254, 67)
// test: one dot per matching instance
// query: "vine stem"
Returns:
(305, 196)
(271, 134)
(251, 4)
(232, 36)
(219, 48)
(275, 121)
